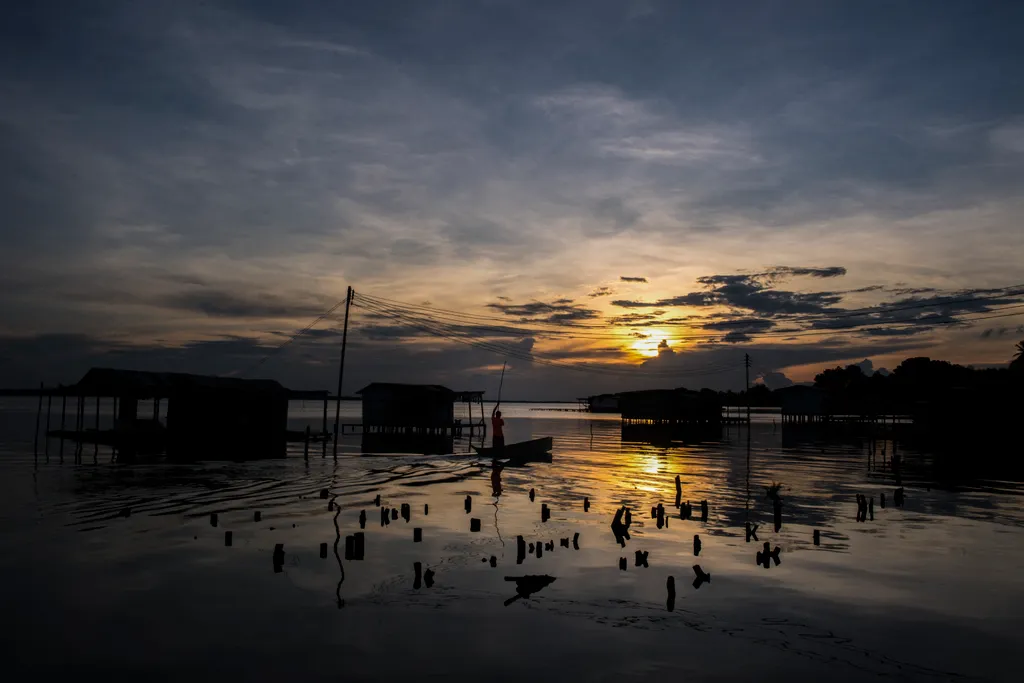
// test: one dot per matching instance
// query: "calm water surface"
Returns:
(931, 591)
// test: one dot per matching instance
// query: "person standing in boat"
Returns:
(497, 427)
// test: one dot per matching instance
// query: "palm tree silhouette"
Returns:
(1018, 358)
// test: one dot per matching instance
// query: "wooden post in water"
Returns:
(156, 407)
(305, 448)
(63, 415)
(323, 430)
(341, 370)
(96, 442)
(39, 411)
(46, 432)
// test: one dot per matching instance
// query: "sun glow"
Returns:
(648, 346)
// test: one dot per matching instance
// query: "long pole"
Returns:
(502, 380)
(341, 370)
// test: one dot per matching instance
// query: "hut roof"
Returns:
(405, 388)
(115, 382)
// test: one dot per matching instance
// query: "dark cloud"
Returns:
(613, 215)
(1001, 331)
(413, 252)
(775, 380)
(225, 304)
(626, 278)
(753, 293)
(787, 271)
(558, 311)
(601, 291)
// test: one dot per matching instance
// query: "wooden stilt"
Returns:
(39, 411)
(63, 415)
(46, 432)
(96, 442)
(323, 431)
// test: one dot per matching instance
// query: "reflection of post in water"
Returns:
(341, 568)
(528, 585)
(746, 513)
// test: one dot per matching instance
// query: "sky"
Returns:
(606, 195)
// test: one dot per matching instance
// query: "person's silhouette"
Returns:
(497, 427)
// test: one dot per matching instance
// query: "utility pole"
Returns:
(746, 364)
(341, 371)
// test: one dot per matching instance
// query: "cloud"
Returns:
(626, 278)
(601, 291)
(226, 304)
(775, 380)
(787, 271)
(562, 311)
(754, 293)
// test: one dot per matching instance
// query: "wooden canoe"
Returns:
(522, 451)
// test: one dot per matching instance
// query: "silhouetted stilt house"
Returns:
(600, 403)
(801, 404)
(670, 407)
(390, 408)
(204, 416)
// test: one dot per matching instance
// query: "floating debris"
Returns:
(213, 519)
(622, 563)
(406, 512)
(257, 516)
(428, 578)
(324, 494)
(696, 545)
(586, 505)
(576, 541)
(474, 524)
(817, 537)
(670, 585)
(532, 494)
(564, 542)
(703, 511)
(545, 512)
(323, 551)
(751, 532)
(494, 561)
(362, 519)
(469, 504)
(520, 549)
(417, 581)
(227, 539)
(417, 535)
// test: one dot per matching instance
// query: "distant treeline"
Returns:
(949, 403)
(914, 381)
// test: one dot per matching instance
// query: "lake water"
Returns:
(930, 591)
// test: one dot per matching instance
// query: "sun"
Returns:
(648, 346)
